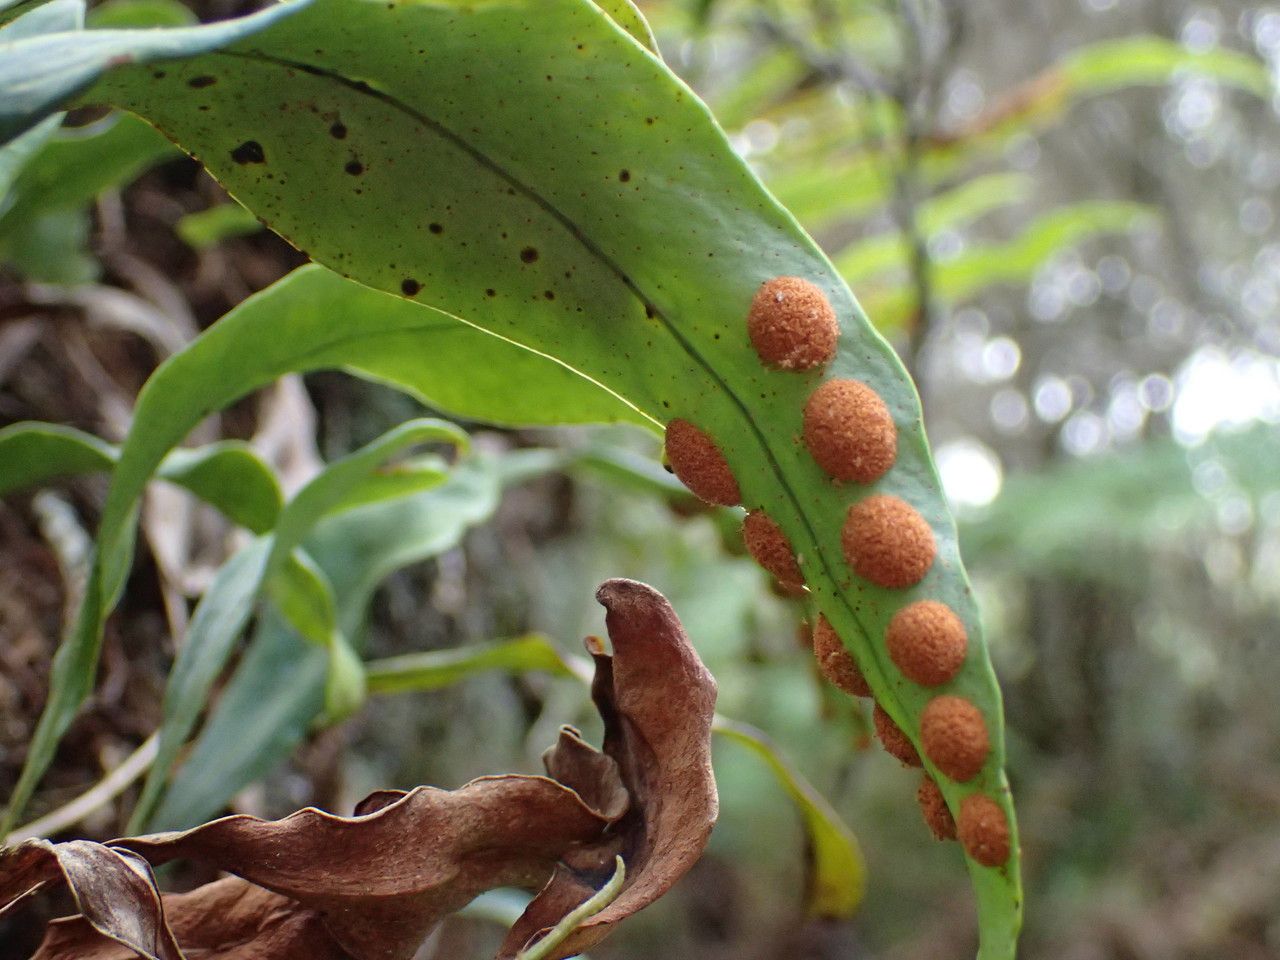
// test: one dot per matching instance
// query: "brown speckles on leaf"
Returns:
(354, 167)
(338, 130)
(410, 287)
(529, 255)
(202, 81)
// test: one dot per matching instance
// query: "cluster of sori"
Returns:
(850, 434)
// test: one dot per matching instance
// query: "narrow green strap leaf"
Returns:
(38, 74)
(304, 597)
(70, 682)
(838, 879)
(278, 690)
(217, 623)
(1111, 64)
(74, 167)
(337, 486)
(23, 21)
(34, 453)
(230, 476)
(628, 16)
(578, 915)
(434, 669)
(208, 228)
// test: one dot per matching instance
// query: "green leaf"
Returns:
(838, 872)
(952, 209)
(1128, 61)
(33, 453)
(140, 13)
(337, 487)
(303, 595)
(38, 74)
(278, 690)
(434, 669)
(298, 587)
(208, 228)
(232, 477)
(539, 174)
(1139, 501)
(628, 16)
(1017, 260)
(22, 21)
(16, 154)
(228, 475)
(217, 623)
(77, 165)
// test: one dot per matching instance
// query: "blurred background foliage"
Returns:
(1062, 213)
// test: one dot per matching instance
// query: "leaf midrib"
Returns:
(364, 88)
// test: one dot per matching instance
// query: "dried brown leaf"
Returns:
(657, 700)
(230, 919)
(382, 881)
(113, 888)
(315, 886)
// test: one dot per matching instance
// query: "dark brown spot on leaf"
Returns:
(199, 83)
(354, 167)
(249, 152)
(338, 131)
(435, 228)
(529, 254)
(410, 286)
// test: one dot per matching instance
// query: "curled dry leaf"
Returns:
(371, 886)
(657, 701)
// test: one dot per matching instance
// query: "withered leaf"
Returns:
(372, 886)
(657, 700)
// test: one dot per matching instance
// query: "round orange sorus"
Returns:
(700, 465)
(954, 737)
(849, 432)
(792, 324)
(934, 808)
(927, 642)
(984, 830)
(835, 662)
(897, 743)
(770, 548)
(887, 542)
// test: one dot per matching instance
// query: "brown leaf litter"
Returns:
(315, 886)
